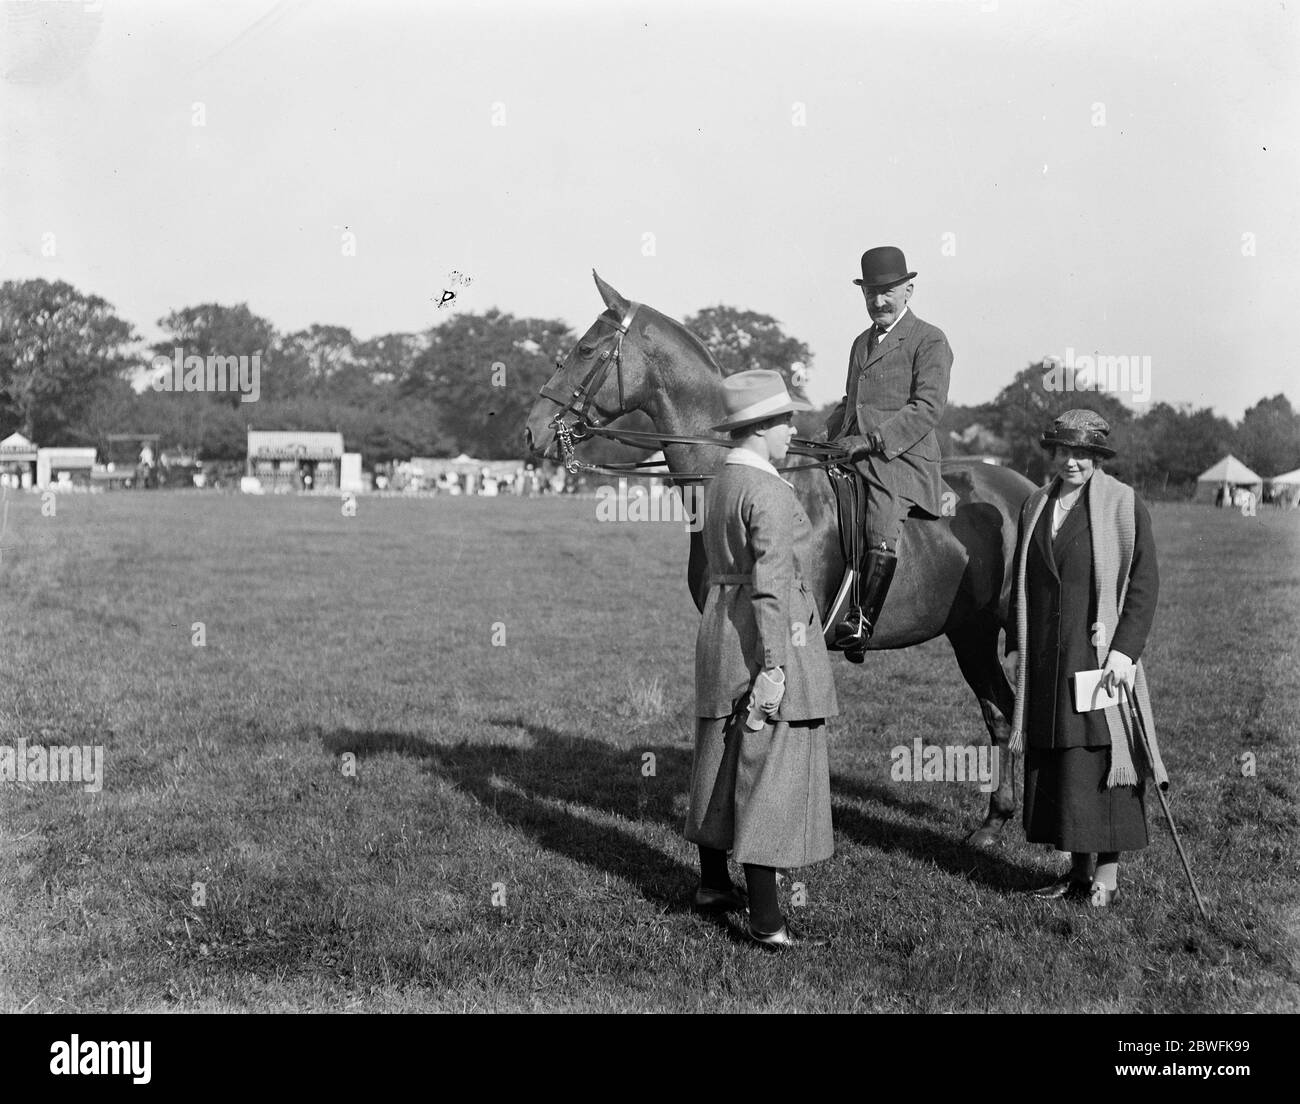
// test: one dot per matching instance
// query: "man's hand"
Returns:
(1119, 668)
(860, 445)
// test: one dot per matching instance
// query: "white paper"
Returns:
(1088, 693)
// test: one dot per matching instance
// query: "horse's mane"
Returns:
(690, 340)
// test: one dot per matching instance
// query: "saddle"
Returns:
(850, 490)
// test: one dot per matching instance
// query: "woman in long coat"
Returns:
(760, 781)
(1086, 591)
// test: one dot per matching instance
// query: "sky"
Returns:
(1068, 179)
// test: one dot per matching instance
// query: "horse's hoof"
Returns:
(983, 838)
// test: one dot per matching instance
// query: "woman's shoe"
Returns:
(786, 936)
(1101, 897)
(1066, 887)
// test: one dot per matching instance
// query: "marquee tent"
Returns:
(1289, 484)
(1229, 470)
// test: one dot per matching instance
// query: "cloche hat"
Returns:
(1081, 428)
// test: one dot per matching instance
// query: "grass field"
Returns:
(235, 861)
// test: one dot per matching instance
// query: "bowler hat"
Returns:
(1081, 428)
(755, 396)
(883, 267)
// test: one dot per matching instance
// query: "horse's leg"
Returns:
(976, 646)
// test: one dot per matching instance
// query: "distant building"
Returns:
(64, 467)
(293, 460)
(17, 462)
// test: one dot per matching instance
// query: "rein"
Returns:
(824, 455)
(580, 400)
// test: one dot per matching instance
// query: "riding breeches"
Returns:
(887, 508)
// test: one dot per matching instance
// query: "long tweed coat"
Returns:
(1061, 607)
(900, 391)
(755, 530)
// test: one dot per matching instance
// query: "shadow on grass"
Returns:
(547, 790)
(851, 786)
(945, 850)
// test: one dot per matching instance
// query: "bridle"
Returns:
(579, 401)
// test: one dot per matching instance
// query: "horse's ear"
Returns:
(612, 298)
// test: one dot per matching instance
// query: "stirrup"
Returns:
(855, 637)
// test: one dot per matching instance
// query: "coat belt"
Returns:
(743, 580)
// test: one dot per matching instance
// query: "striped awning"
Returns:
(302, 452)
(291, 444)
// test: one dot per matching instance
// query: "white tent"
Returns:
(1287, 487)
(1230, 471)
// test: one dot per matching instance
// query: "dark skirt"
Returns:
(1068, 805)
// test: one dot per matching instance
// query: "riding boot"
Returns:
(853, 632)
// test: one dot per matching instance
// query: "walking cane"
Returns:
(1139, 726)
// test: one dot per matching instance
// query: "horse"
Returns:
(954, 575)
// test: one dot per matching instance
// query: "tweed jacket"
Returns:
(758, 612)
(900, 391)
(1061, 604)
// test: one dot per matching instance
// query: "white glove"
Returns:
(765, 697)
(1119, 668)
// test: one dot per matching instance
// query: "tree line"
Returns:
(72, 372)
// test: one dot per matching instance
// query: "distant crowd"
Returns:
(527, 481)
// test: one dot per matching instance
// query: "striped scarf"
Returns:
(1110, 508)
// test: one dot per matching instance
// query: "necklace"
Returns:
(1059, 511)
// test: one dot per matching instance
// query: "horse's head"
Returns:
(601, 379)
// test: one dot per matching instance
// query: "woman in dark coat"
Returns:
(1085, 597)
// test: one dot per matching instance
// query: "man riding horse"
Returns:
(896, 392)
